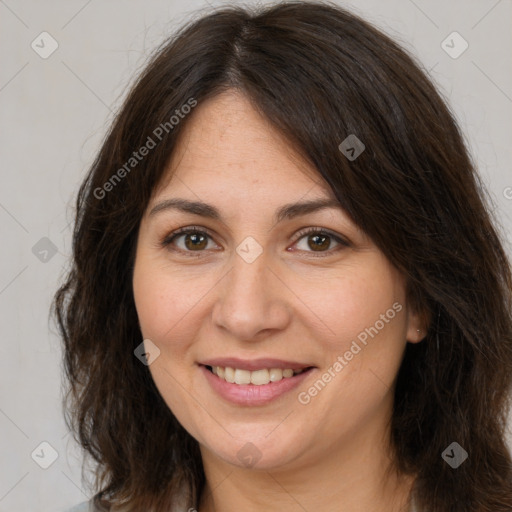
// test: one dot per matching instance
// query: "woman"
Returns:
(287, 291)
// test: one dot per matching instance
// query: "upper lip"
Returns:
(254, 364)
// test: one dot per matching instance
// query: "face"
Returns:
(259, 289)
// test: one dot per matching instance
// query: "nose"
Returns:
(251, 299)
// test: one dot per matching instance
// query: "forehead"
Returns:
(227, 147)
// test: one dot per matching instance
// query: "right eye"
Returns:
(194, 239)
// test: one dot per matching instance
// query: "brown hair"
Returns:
(318, 74)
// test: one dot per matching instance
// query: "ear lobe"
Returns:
(419, 314)
(417, 326)
(415, 335)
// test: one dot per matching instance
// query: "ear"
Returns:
(417, 325)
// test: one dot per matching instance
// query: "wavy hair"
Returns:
(318, 73)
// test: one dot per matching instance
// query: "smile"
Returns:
(258, 377)
(253, 387)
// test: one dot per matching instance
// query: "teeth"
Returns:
(229, 375)
(257, 377)
(242, 377)
(276, 374)
(260, 377)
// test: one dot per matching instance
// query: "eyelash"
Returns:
(169, 239)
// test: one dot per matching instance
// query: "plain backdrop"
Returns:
(54, 114)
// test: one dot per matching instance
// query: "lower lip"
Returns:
(250, 394)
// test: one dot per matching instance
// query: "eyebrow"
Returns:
(286, 212)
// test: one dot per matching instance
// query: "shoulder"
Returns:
(86, 506)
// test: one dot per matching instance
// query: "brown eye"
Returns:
(195, 241)
(187, 240)
(320, 241)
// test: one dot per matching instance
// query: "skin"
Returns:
(298, 304)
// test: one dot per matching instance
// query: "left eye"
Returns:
(319, 240)
(196, 240)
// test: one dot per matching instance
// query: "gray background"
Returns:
(54, 113)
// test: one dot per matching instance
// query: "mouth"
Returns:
(259, 377)
(256, 383)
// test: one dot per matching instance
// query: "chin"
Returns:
(256, 451)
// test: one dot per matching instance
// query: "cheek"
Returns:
(162, 305)
(162, 300)
(150, 294)
(362, 350)
(355, 304)
(169, 305)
